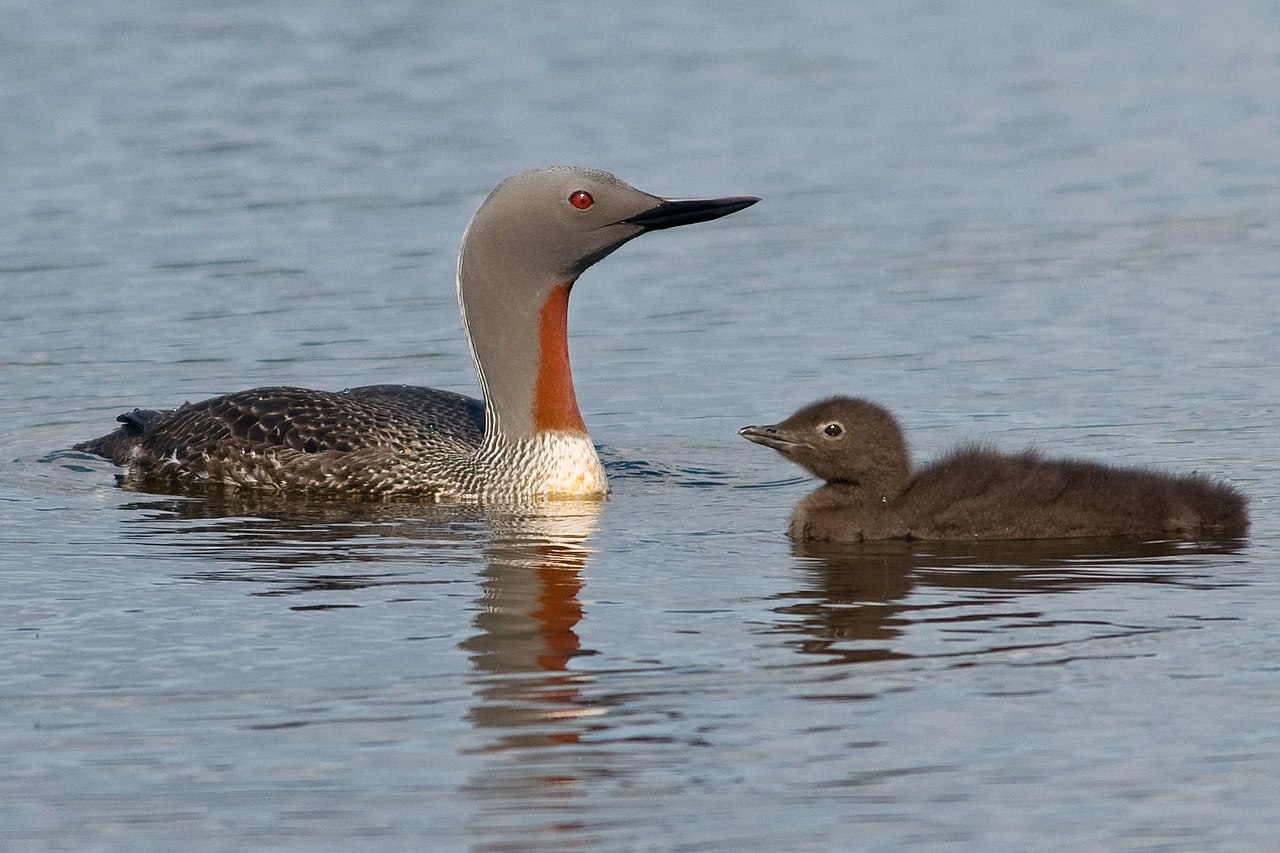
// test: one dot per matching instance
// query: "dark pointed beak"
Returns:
(768, 436)
(686, 211)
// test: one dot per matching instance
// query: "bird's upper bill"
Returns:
(769, 437)
(670, 212)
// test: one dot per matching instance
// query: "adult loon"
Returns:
(521, 254)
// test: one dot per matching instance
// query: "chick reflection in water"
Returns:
(875, 601)
(975, 492)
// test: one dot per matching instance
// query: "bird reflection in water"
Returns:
(526, 627)
(530, 711)
(860, 599)
(526, 700)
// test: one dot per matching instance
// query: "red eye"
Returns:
(581, 199)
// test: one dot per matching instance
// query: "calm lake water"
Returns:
(1026, 222)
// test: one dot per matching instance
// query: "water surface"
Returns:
(1027, 223)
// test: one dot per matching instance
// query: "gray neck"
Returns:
(502, 315)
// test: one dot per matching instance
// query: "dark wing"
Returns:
(444, 413)
(300, 419)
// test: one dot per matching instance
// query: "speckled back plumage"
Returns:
(373, 440)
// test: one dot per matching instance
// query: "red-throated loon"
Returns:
(524, 249)
(975, 492)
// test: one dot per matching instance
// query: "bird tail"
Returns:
(118, 445)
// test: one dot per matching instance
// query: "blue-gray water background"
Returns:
(1026, 222)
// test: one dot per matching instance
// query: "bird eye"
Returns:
(581, 199)
(832, 430)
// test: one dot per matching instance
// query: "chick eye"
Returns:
(581, 199)
(832, 430)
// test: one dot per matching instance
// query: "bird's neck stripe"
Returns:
(555, 407)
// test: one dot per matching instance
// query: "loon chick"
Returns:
(976, 492)
(521, 254)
